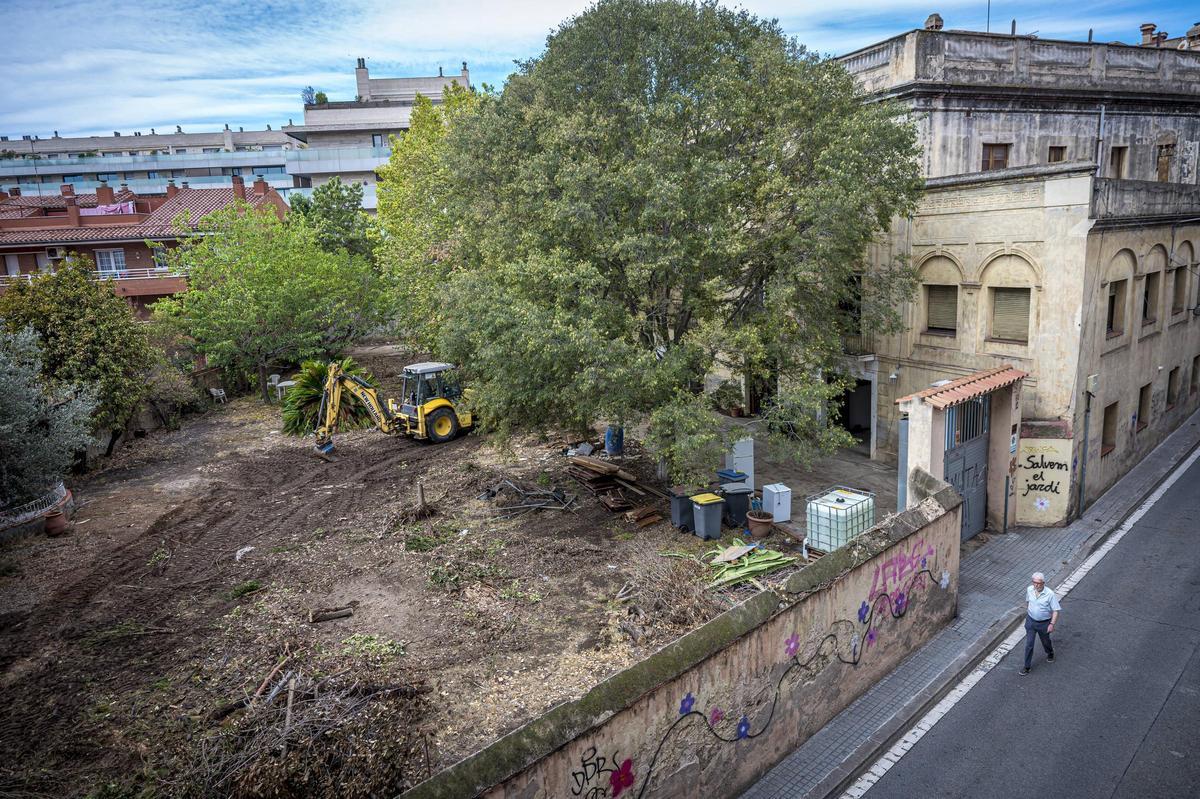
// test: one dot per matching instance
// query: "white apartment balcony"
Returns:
(336, 160)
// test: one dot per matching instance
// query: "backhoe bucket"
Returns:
(325, 451)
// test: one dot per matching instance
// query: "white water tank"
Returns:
(837, 515)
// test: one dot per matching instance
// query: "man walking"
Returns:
(1040, 618)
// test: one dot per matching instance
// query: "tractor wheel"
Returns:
(441, 425)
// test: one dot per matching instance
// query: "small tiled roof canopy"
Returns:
(967, 388)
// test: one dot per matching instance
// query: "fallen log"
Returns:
(318, 615)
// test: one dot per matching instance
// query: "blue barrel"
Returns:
(614, 440)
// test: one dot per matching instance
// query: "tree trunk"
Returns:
(262, 383)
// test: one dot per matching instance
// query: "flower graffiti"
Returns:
(622, 778)
(743, 728)
(716, 716)
(792, 645)
(686, 705)
(900, 603)
(863, 611)
(945, 581)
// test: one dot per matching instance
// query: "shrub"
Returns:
(302, 402)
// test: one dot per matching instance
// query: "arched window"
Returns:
(1009, 280)
(1117, 275)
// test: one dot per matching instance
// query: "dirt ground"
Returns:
(153, 651)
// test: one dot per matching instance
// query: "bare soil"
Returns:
(197, 555)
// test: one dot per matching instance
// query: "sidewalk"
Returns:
(991, 582)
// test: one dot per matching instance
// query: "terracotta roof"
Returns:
(157, 225)
(27, 206)
(969, 387)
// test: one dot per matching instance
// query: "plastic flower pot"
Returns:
(760, 523)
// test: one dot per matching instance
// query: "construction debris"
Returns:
(609, 483)
(644, 516)
(520, 499)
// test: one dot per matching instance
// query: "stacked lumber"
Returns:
(644, 516)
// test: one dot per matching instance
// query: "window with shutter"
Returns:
(1010, 314)
(942, 309)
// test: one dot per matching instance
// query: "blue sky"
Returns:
(83, 67)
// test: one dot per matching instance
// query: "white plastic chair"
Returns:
(218, 394)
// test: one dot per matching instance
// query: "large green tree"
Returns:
(42, 426)
(670, 189)
(417, 214)
(261, 292)
(89, 337)
(334, 214)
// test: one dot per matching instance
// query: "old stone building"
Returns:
(1058, 239)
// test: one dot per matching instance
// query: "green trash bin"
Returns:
(707, 510)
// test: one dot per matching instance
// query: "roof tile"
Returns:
(968, 388)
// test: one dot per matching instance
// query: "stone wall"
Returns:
(708, 714)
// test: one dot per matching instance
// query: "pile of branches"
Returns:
(314, 737)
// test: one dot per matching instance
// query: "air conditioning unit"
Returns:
(55, 253)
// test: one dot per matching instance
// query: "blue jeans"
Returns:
(1039, 629)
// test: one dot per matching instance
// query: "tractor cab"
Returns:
(428, 398)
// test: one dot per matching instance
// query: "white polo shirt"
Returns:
(1043, 605)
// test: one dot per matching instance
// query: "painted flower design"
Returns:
(1041, 503)
(792, 645)
(870, 636)
(622, 778)
(945, 581)
(863, 610)
(743, 730)
(686, 705)
(900, 603)
(716, 716)
(924, 561)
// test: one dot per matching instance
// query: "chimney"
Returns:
(362, 80)
(172, 189)
(73, 212)
(152, 133)
(179, 128)
(1162, 37)
(934, 22)
(466, 75)
(440, 75)
(116, 133)
(362, 63)
(15, 191)
(56, 134)
(3, 195)
(67, 190)
(1148, 33)
(104, 194)
(260, 186)
(239, 187)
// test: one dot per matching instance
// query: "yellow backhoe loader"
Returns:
(426, 411)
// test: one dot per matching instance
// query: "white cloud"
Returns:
(83, 67)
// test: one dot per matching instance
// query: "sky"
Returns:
(83, 67)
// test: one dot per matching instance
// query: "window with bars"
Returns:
(110, 260)
(1010, 314)
(995, 156)
(968, 421)
(1115, 321)
(941, 310)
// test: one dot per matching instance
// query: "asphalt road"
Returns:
(1117, 714)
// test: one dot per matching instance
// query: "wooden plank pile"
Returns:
(609, 483)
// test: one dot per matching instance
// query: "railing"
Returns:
(105, 163)
(119, 274)
(11, 517)
(859, 344)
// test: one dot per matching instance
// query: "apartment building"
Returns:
(1055, 336)
(349, 138)
(145, 161)
(124, 233)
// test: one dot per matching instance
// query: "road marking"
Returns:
(917, 731)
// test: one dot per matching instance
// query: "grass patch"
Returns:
(248, 587)
(514, 592)
(158, 557)
(453, 575)
(371, 645)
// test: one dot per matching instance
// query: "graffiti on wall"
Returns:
(898, 581)
(1043, 480)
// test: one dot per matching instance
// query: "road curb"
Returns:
(895, 728)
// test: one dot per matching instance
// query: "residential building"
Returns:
(145, 162)
(123, 232)
(350, 138)
(1056, 247)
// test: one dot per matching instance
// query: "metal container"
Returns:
(777, 501)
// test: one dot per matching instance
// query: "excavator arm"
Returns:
(336, 383)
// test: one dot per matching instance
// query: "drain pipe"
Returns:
(1007, 478)
(1083, 459)
(902, 472)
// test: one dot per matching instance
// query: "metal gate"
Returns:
(966, 459)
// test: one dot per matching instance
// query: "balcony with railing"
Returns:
(126, 282)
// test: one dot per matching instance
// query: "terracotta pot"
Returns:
(735, 411)
(760, 523)
(56, 523)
